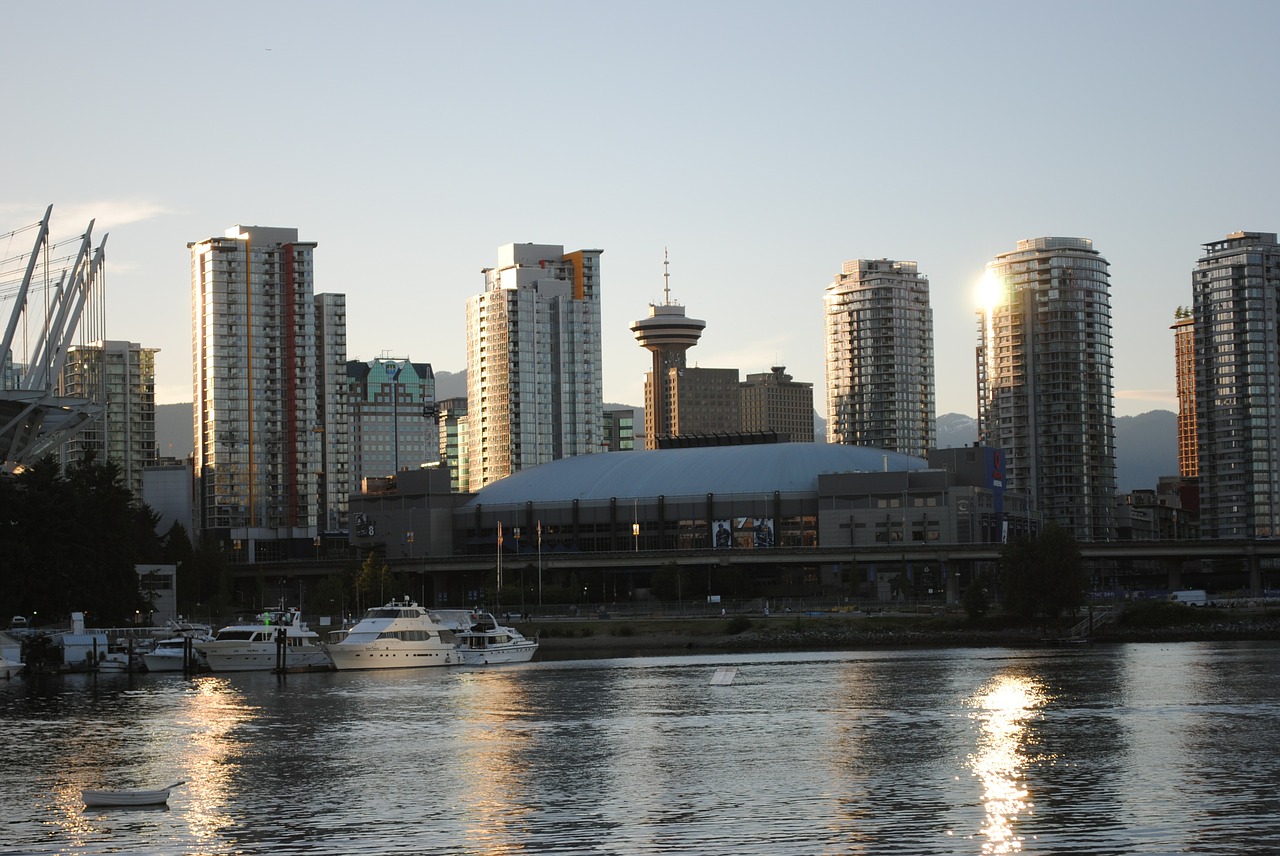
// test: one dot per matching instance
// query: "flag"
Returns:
(499, 533)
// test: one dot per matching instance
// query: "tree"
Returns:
(1043, 575)
(975, 601)
(373, 580)
(70, 541)
(669, 582)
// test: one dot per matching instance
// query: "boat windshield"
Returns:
(389, 612)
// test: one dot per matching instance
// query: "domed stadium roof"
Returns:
(762, 468)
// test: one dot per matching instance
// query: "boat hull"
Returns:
(261, 657)
(122, 799)
(378, 655)
(170, 662)
(518, 653)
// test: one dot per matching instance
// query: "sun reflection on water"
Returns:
(1003, 709)
(495, 791)
(211, 714)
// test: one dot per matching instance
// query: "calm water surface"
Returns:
(1117, 749)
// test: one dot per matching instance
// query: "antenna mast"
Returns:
(666, 278)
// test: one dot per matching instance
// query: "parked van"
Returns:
(1191, 597)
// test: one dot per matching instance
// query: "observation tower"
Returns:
(668, 334)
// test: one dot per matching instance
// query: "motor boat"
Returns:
(400, 635)
(168, 654)
(486, 642)
(253, 647)
(10, 668)
(98, 798)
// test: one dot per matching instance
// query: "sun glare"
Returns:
(990, 291)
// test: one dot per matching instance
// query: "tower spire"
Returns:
(666, 278)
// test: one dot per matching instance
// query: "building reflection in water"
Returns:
(494, 780)
(1003, 710)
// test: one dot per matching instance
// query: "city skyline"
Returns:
(754, 150)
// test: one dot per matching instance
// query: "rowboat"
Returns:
(160, 796)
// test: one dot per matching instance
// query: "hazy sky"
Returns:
(763, 144)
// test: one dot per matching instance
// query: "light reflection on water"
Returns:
(1003, 708)
(1125, 749)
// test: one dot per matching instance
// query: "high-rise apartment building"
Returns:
(393, 417)
(451, 420)
(121, 377)
(1236, 304)
(879, 341)
(772, 401)
(1044, 381)
(256, 365)
(534, 383)
(333, 480)
(619, 430)
(1184, 358)
(667, 333)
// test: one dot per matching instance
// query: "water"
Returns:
(1115, 749)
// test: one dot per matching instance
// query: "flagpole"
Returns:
(539, 563)
(497, 593)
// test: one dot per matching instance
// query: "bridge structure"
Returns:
(45, 293)
(1251, 567)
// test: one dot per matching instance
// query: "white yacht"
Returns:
(486, 642)
(167, 655)
(252, 647)
(400, 635)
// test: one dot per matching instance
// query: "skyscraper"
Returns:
(393, 417)
(1236, 304)
(772, 401)
(333, 478)
(879, 339)
(1044, 380)
(1184, 358)
(451, 421)
(534, 385)
(257, 446)
(703, 401)
(120, 376)
(668, 334)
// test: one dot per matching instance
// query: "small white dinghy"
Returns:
(100, 798)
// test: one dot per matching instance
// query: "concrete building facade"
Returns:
(772, 401)
(392, 404)
(121, 378)
(256, 426)
(333, 479)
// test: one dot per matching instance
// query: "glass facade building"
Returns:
(1045, 396)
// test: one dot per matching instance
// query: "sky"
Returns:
(759, 144)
